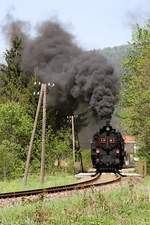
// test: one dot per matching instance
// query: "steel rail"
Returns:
(46, 190)
(50, 190)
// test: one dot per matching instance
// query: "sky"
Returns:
(94, 23)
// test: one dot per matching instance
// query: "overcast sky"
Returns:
(95, 23)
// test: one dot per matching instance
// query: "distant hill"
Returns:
(115, 55)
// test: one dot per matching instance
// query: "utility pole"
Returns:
(73, 139)
(32, 137)
(42, 170)
(42, 96)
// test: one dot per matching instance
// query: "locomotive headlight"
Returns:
(117, 151)
(107, 128)
(97, 151)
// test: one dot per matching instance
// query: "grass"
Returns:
(33, 182)
(123, 206)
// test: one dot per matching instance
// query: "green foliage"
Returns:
(58, 147)
(12, 82)
(17, 111)
(10, 165)
(122, 206)
(135, 96)
(15, 130)
(58, 151)
(86, 156)
(15, 124)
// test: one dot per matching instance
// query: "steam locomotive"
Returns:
(107, 150)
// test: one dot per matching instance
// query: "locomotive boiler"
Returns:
(107, 150)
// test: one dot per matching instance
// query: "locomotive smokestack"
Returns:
(107, 122)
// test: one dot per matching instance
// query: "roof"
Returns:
(129, 139)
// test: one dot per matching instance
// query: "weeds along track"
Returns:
(90, 182)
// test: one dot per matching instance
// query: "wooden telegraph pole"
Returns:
(42, 170)
(73, 139)
(42, 96)
(32, 137)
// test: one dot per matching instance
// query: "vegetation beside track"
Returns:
(121, 206)
(33, 182)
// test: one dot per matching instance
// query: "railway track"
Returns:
(92, 182)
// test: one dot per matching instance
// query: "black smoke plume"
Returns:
(79, 76)
(95, 83)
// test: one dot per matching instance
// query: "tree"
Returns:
(11, 81)
(15, 85)
(135, 95)
(15, 126)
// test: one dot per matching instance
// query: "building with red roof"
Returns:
(129, 139)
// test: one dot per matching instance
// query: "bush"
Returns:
(15, 131)
(10, 165)
(86, 155)
(15, 124)
(58, 148)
